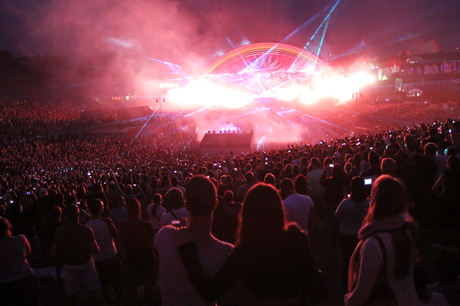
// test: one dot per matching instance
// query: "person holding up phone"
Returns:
(350, 214)
(333, 182)
(175, 204)
(373, 172)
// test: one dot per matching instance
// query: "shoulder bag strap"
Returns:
(383, 292)
(384, 253)
(382, 245)
(155, 215)
(174, 215)
(357, 204)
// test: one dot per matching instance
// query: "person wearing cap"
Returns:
(75, 244)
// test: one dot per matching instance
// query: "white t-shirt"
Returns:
(155, 220)
(181, 214)
(297, 208)
(175, 286)
(103, 238)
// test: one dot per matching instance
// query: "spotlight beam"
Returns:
(247, 65)
(239, 54)
(378, 46)
(274, 88)
(147, 122)
(323, 121)
(311, 38)
(261, 111)
(278, 113)
(324, 20)
(175, 68)
(191, 138)
(252, 112)
(304, 24)
(322, 40)
(105, 125)
(261, 141)
(260, 57)
(197, 111)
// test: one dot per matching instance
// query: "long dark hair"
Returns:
(263, 219)
(388, 199)
(156, 203)
(358, 190)
(337, 172)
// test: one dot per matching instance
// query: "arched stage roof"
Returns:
(264, 56)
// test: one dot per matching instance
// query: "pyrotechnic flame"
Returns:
(206, 94)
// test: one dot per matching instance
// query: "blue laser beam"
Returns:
(247, 65)
(191, 138)
(175, 68)
(279, 114)
(323, 121)
(324, 20)
(147, 122)
(356, 49)
(197, 111)
(321, 43)
(261, 142)
(252, 112)
(305, 23)
(259, 58)
(239, 54)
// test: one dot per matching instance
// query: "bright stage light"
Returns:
(202, 93)
(206, 94)
(287, 94)
(340, 87)
(303, 79)
(296, 92)
(370, 79)
(167, 85)
(307, 96)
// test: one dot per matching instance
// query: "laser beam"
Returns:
(147, 122)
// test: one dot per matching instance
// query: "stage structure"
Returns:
(218, 144)
(265, 67)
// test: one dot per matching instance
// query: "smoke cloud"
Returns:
(185, 32)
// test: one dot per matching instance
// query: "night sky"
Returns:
(195, 32)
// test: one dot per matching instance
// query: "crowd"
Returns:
(32, 117)
(106, 212)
